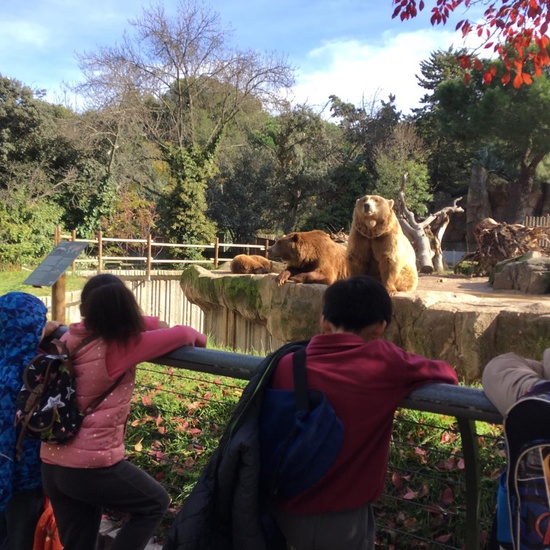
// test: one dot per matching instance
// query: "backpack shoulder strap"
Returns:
(94, 404)
(300, 380)
(82, 344)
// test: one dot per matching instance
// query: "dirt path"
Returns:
(478, 286)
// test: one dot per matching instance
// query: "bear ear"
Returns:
(390, 203)
(295, 237)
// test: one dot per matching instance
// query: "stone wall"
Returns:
(251, 313)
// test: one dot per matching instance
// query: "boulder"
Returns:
(529, 274)
(250, 313)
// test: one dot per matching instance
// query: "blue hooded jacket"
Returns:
(22, 319)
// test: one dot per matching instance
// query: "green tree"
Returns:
(27, 228)
(305, 149)
(365, 127)
(191, 85)
(403, 152)
(449, 161)
(35, 162)
(512, 121)
(240, 197)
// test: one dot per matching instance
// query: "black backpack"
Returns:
(208, 519)
(46, 403)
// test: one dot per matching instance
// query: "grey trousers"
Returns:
(351, 529)
(78, 496)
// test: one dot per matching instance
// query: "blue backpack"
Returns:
(300, 435)
(527, 435)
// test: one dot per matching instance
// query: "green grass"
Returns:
(11, 281)
(176, 421)
(427, 469)
(178, 417)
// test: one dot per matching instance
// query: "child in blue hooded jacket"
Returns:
(23, 324)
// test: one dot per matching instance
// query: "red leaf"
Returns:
(518, 80)
(410, 494)
(478, 65)
(146, 400)
(467, 78)
(505, 79)
(397, 480)
(447, 496)
(527, 79)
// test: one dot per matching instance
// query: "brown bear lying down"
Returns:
(378, 247)
(247, 264)
(310, 256)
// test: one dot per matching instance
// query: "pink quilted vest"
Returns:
(100, 441)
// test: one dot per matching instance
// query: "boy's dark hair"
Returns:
(356, 303)
(110, 309)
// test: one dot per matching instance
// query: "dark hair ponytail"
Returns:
(110, 309)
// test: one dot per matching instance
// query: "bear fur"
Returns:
(310, 256)
(250, 264)
(378, 247)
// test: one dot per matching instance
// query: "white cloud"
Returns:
(23, 34)
(356, 71)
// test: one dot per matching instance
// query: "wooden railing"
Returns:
(539, 221)
(150, 246)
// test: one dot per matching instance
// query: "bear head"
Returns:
(373, 215)
(301, 247)
(287, 248)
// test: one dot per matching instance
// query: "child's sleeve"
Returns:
(149, 345)
(507, 377)
(420, 370)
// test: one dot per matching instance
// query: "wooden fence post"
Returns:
(99, 251)
(58, 289)
(149, 256)
(216, 252)
(73, 238)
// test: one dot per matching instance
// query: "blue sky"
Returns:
(350, 48)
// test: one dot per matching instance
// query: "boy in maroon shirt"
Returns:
(364, 378)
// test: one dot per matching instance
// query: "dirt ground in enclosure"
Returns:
(478, 286)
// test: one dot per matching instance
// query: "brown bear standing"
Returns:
(249, 264)
(310, 256)
(378, 247)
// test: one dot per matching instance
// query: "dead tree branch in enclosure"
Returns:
(426, 235)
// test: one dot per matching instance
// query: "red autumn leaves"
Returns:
(513, 29)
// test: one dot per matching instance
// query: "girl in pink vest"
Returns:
(89, 473)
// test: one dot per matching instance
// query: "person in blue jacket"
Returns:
(23, 324)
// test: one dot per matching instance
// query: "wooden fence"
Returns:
(159, 296)
(539, 221)
(153, 249)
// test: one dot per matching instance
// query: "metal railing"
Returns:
(466, 404)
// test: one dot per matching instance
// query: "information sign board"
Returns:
(55, 263)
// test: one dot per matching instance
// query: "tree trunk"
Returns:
(417, 235)
(478, 206)
(415, 232)
(517, 207)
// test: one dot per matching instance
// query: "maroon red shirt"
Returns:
(364, 382)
